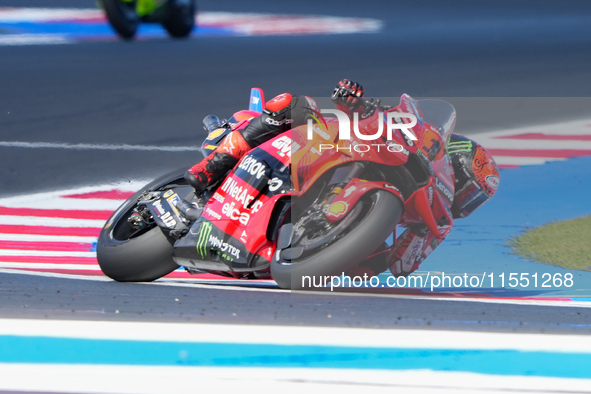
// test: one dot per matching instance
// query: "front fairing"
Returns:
(231, 234)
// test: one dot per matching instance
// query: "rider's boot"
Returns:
(211, 169)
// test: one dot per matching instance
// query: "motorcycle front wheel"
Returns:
(377, 215)
(127, 255)
(122, 17)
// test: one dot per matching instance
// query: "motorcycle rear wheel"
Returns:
(127, 257)
(348, 251)
(180, 19)
(122, 17)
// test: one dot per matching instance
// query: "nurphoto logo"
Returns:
(393, 121)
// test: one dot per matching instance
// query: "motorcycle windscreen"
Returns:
(440, 114)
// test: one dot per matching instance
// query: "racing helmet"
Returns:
(296, 109)
(476, 175)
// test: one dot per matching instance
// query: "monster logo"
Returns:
(204, 234)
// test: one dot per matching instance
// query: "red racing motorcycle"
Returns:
(304, 204)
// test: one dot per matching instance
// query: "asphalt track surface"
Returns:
(28, 296)
(156, 93)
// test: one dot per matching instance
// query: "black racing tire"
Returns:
(350, 250)
(122, 17)
(180, 19)
(141, 259)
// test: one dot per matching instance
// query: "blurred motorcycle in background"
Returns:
(176, 16)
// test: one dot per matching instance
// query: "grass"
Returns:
(564, 244)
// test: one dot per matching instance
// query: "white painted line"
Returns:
(83, 204)
(57, 199)
(128, 379)
(44, 253)
(131, 186)
(46, 238)
(33, 39)
(123, 147)
(294, 335)
(50, 222)
(17, 15)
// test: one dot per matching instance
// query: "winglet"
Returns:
(257, 100)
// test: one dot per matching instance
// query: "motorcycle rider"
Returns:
(280, 114)
(476, 174)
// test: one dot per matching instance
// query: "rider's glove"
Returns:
(347, 93)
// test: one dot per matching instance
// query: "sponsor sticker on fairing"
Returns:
(252, 166)
(231, 211)
(203, 239)
(275, 184)
(449, 195)
(321, 132)
(173, 200)
(218, 197)
(350, 190)
(224, 247)
(213, 213)
(388, 186)
(338, 209)
(285, 145)
(164, 215)
(414, 251)
(216, 133)
(240, 194)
